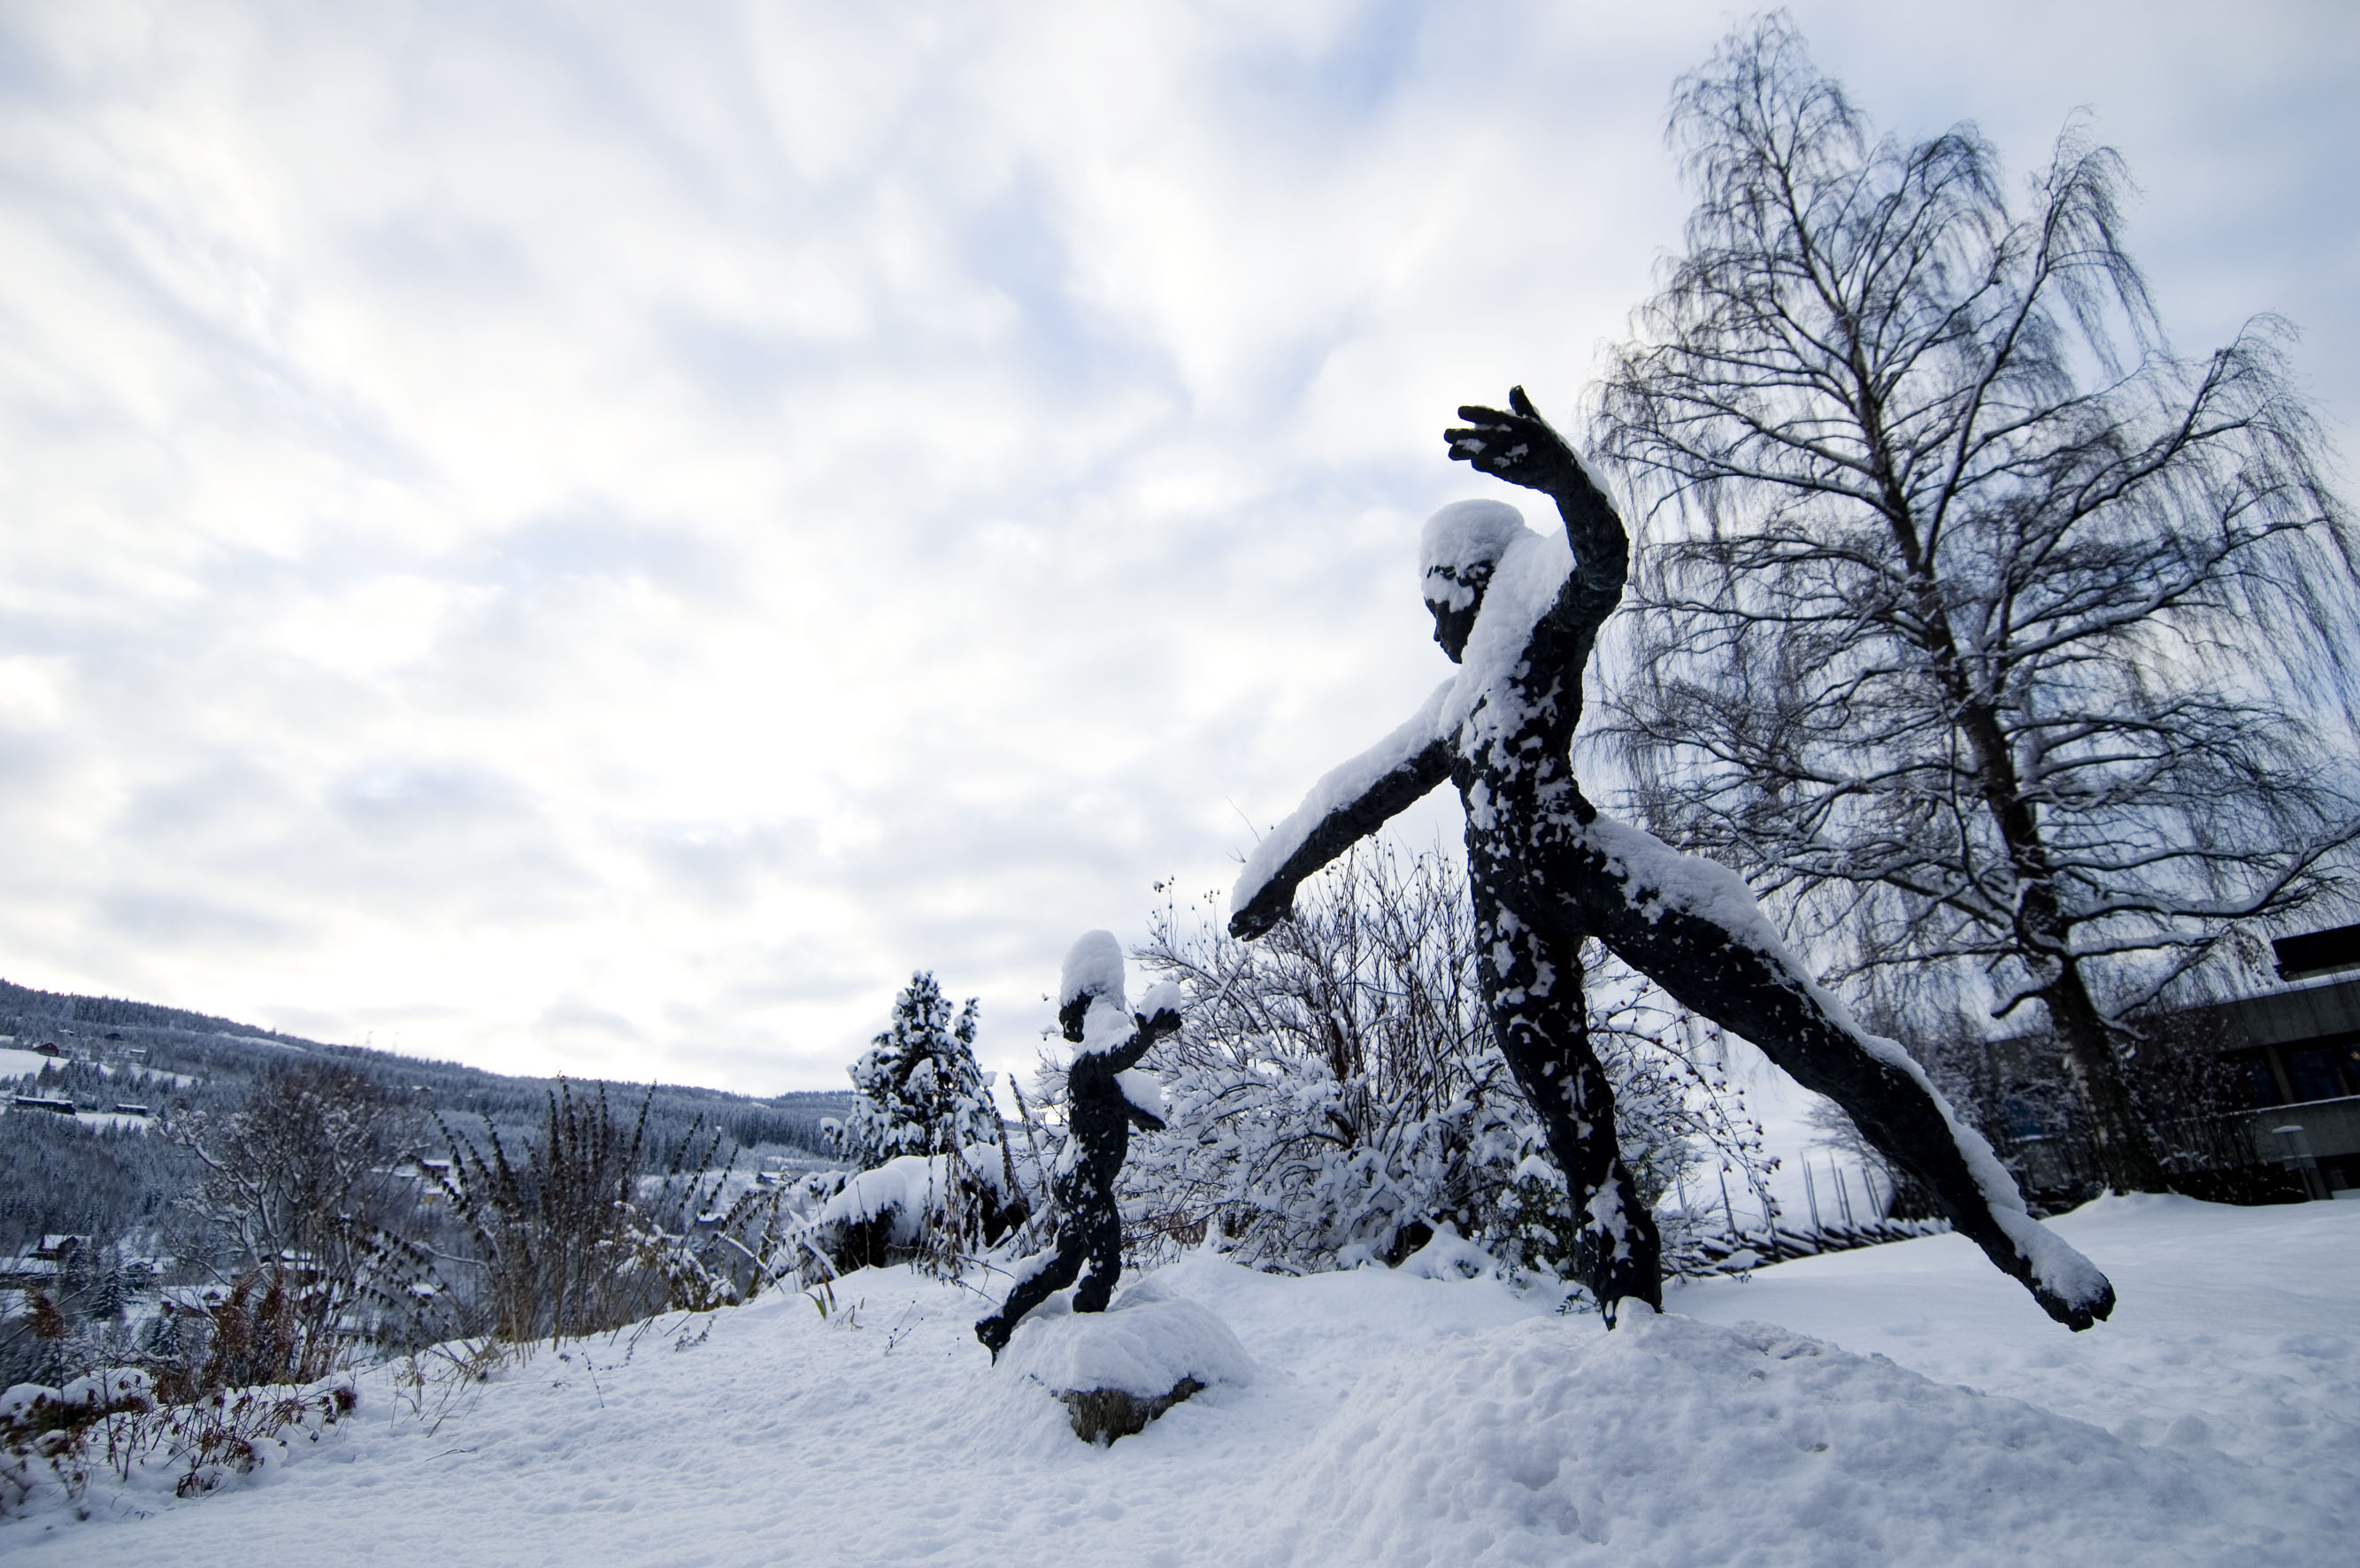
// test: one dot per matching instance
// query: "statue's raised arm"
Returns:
(1519, 446)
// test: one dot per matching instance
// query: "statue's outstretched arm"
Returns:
(1519, 446)
(1346, 806)
(1158, 1015)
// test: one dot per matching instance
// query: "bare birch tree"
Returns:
(1975, 619)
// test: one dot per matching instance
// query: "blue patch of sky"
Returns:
(740, 367)
(1333, 91)
(592, 540)
(1358, 74)
(411, 795)
(1015, 245)
(29, 74)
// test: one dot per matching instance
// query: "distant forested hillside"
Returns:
(105, 1175)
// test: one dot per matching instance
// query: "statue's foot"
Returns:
(2067, 1285)
(2075, 1314)
(994, 1334)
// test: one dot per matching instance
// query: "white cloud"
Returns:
(602, 538)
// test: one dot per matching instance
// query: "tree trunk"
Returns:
(2126, 1154)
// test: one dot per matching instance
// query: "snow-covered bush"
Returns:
(299, 1203)
(939, 1209)
(919, 1089)
(1338, 1095)
(55, 1440)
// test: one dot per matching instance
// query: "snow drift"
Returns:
(1390, 1419)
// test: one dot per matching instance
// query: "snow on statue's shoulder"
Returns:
(1528, 571)
(1336, 789)
(1107, 1027)
(1525, 586)
(1142, 1089)
(1146, 1344)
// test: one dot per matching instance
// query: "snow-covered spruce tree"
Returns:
(1337, 1092)
(2013, 647)
(919, 1089)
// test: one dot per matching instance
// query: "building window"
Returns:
(2318, 1071)
(2253, 1070)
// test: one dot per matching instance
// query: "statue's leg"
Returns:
(1105, 1243)
(1534, 989)
(1693, 928)
(1038, 1277)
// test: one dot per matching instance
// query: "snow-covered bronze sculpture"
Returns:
(1519, 616)
(1105, 1096)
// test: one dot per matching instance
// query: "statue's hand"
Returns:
(1517, 445)
(1159, 1011)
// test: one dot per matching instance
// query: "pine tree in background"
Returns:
(920, 1091)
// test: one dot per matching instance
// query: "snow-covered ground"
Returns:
(15, 1064)
(19, 1063)
(113, 1121)
(1900, 1405)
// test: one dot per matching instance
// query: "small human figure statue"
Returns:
(1105, 1095)
(1520, 616)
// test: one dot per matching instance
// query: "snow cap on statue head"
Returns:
(1460, 545)
(1093, 969)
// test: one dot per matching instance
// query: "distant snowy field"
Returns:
(15, 1064)
(1903, 1405)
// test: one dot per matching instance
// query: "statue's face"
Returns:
(1454, 624)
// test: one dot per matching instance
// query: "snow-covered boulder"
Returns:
(1447, 1255)
(1119, 1369)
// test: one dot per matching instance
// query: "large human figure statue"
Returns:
(1105, 1097)
(1519, 613)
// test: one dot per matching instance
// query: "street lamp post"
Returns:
(2301, 1159)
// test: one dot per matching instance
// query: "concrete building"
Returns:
(2284, 1126)
(2297, 1050)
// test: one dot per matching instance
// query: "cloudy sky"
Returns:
(601, 537)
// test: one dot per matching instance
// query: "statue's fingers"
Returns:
(1476, 414)
(1522, 403)
(1492, 446)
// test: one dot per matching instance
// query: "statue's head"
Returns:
(1459, 550)
(1093, 969)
